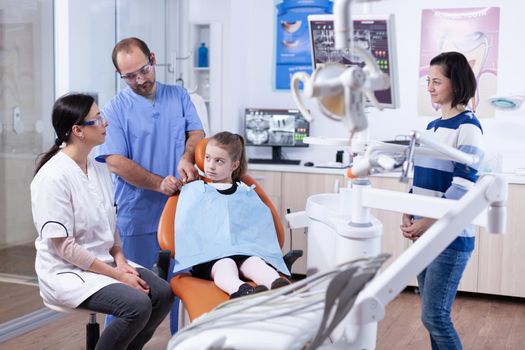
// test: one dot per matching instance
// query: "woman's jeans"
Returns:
(137, 315)
(438, 285)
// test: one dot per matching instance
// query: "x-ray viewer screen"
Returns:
(272, 127)
(372, 35)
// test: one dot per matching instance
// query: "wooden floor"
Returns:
(17, 300)
(68, 333)
(483, 323)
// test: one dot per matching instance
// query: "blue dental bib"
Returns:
(210, 225)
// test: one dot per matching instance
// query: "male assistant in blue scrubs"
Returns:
(152, 132)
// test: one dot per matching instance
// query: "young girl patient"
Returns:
(223, 230)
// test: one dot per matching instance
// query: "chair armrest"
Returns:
(291, 257)
(162, 264)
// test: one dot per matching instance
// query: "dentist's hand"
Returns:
(169, 185)
(187, 170)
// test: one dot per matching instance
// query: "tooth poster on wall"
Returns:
(292, 38)
(472, 31)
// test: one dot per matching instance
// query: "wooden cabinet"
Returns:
(469, 281)
(501, 262)
(270, 181)
(297, 187)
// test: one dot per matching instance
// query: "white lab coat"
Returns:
(65, 203)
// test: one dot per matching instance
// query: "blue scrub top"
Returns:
(153, 135)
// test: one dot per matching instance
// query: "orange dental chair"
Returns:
(198, 295)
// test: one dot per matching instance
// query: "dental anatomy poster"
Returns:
(473, 32)
(292, 50)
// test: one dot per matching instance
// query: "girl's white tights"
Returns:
(226, 275)
(255, 269)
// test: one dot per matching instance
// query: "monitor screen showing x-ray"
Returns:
(275, 127)
(373, 33)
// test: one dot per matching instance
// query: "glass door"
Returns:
(49, 48)
(26, 97)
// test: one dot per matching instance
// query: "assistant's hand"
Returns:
(169, 185)
(135, 282)
(416, 228)
(187, 170)
(124, 266)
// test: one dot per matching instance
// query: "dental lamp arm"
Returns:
(490, 191)
(420, 145)
(343, 26)
(298, 78)
(446, 151)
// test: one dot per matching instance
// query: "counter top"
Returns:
(296, 169)
(510, 177)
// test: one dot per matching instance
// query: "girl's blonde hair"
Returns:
(234, 145)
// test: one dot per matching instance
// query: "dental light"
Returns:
(341, 91)
(507, 103)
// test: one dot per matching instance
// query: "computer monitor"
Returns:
(275, 128)
(374, 33)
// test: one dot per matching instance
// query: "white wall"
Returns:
(248, 70)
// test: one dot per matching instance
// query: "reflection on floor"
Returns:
(17, 300)
(69, 333)
(18, 260)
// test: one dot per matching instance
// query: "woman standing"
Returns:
(79, 259)
(451, 84)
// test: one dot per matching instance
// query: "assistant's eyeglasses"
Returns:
(99, 121)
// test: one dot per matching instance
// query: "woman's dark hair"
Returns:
(68, 110)
(126, 45)
(234, 145)
(456, 67)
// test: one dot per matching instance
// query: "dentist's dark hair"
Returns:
(234, 145)
(456, 67)
(68, 110)
(126, 45)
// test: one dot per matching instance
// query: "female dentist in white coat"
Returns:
(79, 261)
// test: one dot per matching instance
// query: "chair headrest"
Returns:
(200, 153)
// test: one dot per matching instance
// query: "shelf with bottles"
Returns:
(205, 41)
(202, 55)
